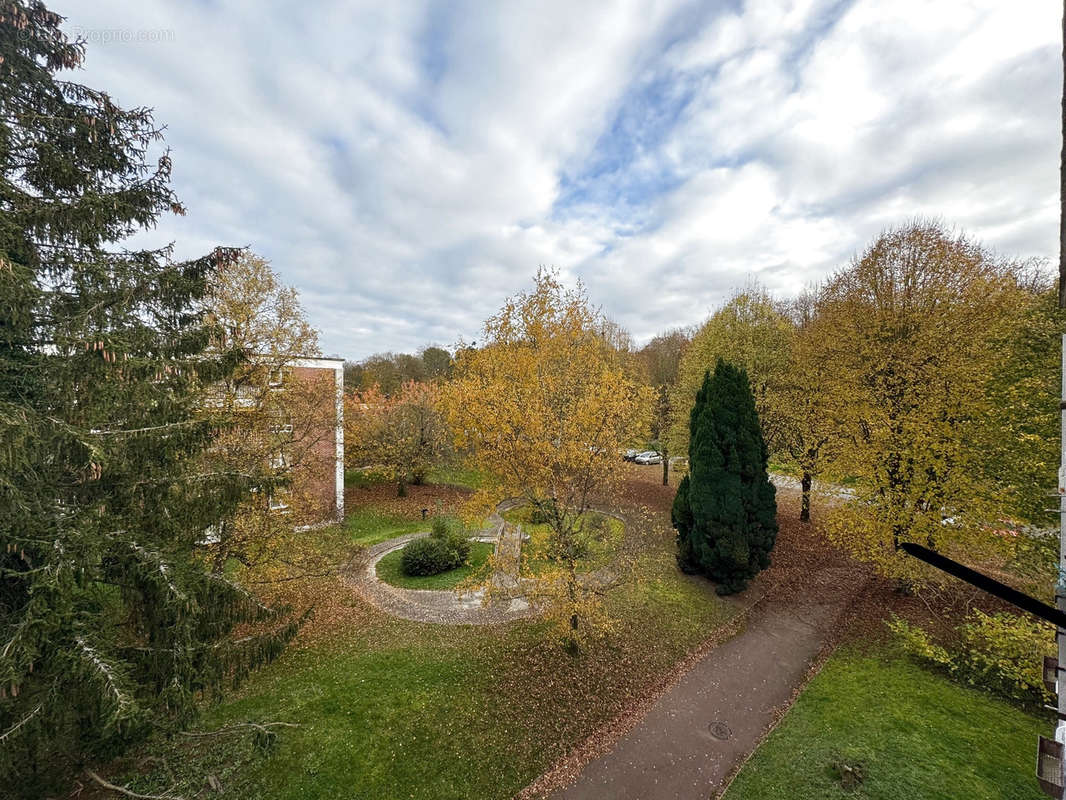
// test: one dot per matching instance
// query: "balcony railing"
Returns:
(1049, 766)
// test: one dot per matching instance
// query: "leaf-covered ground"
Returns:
(395, 709)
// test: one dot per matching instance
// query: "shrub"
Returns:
(447, 547)
(427, 556)
(454, 535)
(999, 652)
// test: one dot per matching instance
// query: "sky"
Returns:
(409, 165)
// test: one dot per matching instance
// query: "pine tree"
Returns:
(724, 512)
(110, 624)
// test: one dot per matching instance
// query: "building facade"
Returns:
(325, 477)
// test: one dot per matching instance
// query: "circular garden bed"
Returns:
(390, 570)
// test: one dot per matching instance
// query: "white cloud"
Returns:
(406, 164)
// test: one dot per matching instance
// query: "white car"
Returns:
(649, 457)
(630, 455)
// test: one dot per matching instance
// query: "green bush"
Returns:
(447, 547)
(451, 531)
(428, 556)
(1001, 652)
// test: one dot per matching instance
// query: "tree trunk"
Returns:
(401, 488)
(666, 468)
(572, 591)
(805, 498)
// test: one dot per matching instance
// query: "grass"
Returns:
(444, 475)
(454, 475)
(362, 478)
(914, 734)
(535, 557)
(390, 570)
(389, 708)
(367, 526)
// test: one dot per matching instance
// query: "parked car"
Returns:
(649, 457)
(630, 454)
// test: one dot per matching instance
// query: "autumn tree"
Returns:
(110, 624)
(910, 328)
(260, 315)
(273, 423)
(390, 371)
(1019, 448)
(437, 362)
(798, 416)
(661, 361)
(543, 406)
(724, 511)
(751, 331)
(404, 434)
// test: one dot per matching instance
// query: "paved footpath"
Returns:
(696, 733)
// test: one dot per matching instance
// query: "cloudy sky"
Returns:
(407, 165)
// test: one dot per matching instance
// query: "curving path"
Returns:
(446, 607)
(449, 607)
(698, 733)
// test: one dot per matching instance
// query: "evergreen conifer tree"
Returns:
(110, 624)
(724, 512)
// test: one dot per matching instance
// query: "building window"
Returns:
(279, 460)
(278, 500)
(284, 426)
(278, 377)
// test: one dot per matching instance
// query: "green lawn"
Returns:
(915, 734)
(367, 526)
(390, 570)
(445, 475)
(453, 475)
(389, 708)
(362, 478)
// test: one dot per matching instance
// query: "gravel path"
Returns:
(422, 605)
(449, 607)
(817, 488)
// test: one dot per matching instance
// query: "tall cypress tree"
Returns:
(110, 624)
(725, 512)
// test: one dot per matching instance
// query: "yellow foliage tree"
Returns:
(910, 330)
(273, 426)
(750, 331)
(798, 416)
(543, 407)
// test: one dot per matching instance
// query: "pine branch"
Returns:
(129, 793)
(236, 587)
(18, 631)
(110, 679)
(160, 566)
(128, 431)
(21, 722)
(261, 727)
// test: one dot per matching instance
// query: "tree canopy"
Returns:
(911, 328)
(543, 407)
(110, 622)
(724, 511)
